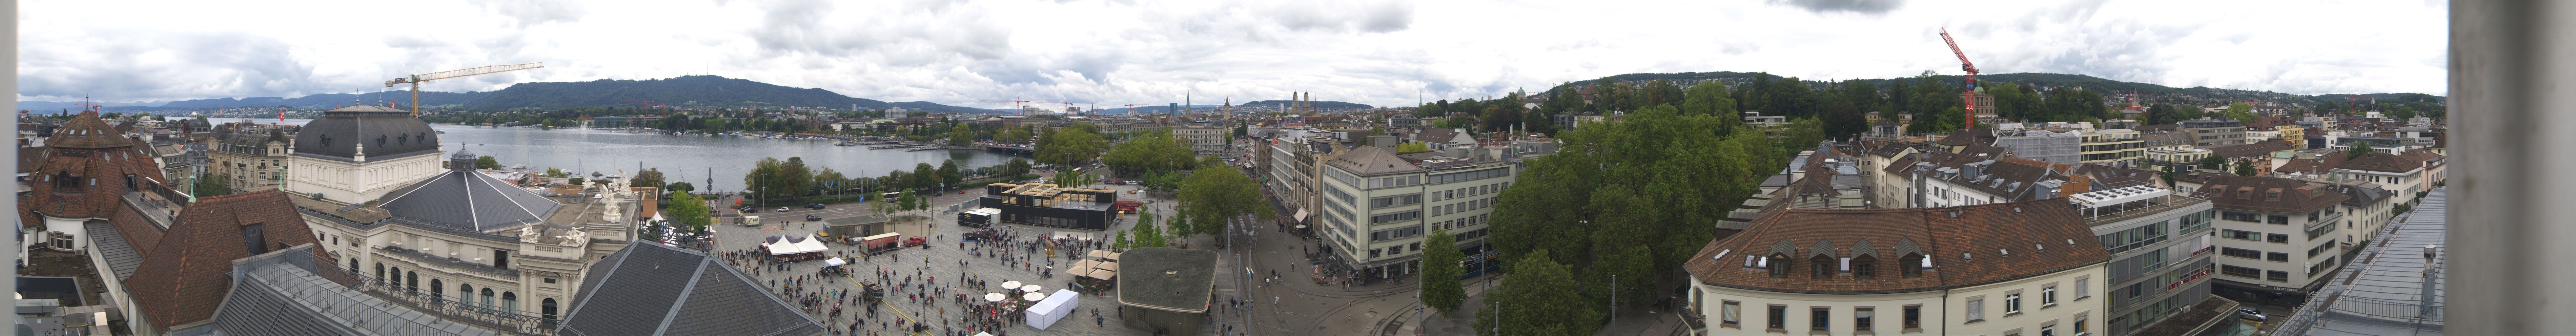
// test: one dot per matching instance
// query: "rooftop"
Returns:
(2266, 194)
(2394, 289)
(652, 289)
(1171, 279)
(1968, 245)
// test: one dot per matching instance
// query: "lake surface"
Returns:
(681, 158)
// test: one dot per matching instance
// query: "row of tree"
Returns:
(1629, 198)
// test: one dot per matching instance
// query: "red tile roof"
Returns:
(185, 275)
(2381, 162)
(2256, 194)
(1968, 245)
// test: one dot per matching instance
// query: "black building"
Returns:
(1048, 205)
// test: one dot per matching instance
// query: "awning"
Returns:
(794, 245)
(1081, 265)
(1301, 214)
(1077, 271)
(1103, 274)
(834, 262)
(1107, 266)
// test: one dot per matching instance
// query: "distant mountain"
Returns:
(677, 91)
(1321, 104)
(2095, 84)
(39, 106)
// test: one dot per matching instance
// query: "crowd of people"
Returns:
(920, 301)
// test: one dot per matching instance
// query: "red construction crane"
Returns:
(1971, 81)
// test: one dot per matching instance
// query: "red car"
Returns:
(915, 241)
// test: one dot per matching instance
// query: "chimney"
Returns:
(2432, 271)
(2076, 184)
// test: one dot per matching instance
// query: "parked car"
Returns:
(815, 206)
(810, 218)
(2251, 314)
(916, 241)
(750, 209)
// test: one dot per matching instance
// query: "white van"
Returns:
(753, 221)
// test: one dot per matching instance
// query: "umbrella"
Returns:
(1030, 288)
(993, 297)
(834, 262)
(1010, 284)
(1033, 297)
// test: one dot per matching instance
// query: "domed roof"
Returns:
(385, 132)
(463, 199)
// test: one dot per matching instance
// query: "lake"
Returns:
(681, 158)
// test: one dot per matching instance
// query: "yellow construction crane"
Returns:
(415, 80)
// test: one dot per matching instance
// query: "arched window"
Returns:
(380, 272)
(487, 297)
(1865, 267)
(1823, 267)
(547, 307)
(1913, 265)
(510, 302)
(353, 265)
(437, 291)
(1779, 265)
(411, 282)
(465, 294)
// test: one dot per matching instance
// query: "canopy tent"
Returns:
(794, 245)
(1031, 288)
(1102, 274)
(1301, 215)
(834, 262)
(1104, 255)
(1033, 297)
(1012, 285)
(994, 297)
(1106, 266)
(1052, 308)
(1080, 266)
(1077, 271)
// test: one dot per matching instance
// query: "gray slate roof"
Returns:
(107, 242)
(1143, 281)
(470, 201)
(278, 294)
(1373, 161)
(387, 132)
(651, 289)
(2384, 294)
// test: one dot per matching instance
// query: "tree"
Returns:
(908, 202)
(1844, 120)
(1015, 168)
(679, 187)
(924, 176)
(1803, 133)
(1654, 171)
(2358, 149)
(830, 180)
(688, 210)
(576, 181)
(1217, 194)
(649, 178)
(212, 185)
(948, 173)
(2213, 162)
(2244, 167)
(1153, 151)
(794, 178)
(960, 135)
(1440, 271)
(2240, 111)
(1707, 98)
(1410, 147)
(487, 162)
(1069, 146)
(1542, 298)
(553, 172)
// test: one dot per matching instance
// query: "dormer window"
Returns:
(1778, 264)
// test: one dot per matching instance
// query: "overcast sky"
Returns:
(1114, 53)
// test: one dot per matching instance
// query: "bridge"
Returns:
(1013, 149)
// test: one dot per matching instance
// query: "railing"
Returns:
(451, 262)
(458, 310)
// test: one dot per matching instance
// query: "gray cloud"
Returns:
(529, 13)
(1869, 7)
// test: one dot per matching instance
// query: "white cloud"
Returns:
(1113, 53)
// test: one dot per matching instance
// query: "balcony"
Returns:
(456, 308)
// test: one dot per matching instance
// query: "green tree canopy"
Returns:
(2244, 167)
(1440, 271)
(487, 162)
(1216, 194)
(948, 173)
(212, 185)
(1541, 297)
(1069, 146)
(650, 178)
(1154, 151)
(960, 135)
(688, 210)
(2213, 162)
(1410, 147)
(2358, 149)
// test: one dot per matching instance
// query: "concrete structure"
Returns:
(2207, 132)
(2277, 237)
(897, 113)
(2065, 147)
(1378, 207)
(2031, 268)
(360, 153)
(2173, 160)
(2160, 251)
(1173, 289)
(2406, 174)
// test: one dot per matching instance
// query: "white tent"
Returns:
(1055, 307)
(794, 245)
(834, 262)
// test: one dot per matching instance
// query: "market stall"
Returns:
(1052, 307)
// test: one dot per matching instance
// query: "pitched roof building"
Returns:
(184, 275)
(1981, 269)
(652, 289)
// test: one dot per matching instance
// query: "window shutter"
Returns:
(1734, 313)
(2081, 290)
(1976, 310)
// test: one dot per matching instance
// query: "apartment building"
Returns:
(2405, 174)
(1378, 207)
(2160, 251)
(250, 157)
(2278, 238)
(2021, 268)
(1208, 138)
(2117, 147)
(2208, 132)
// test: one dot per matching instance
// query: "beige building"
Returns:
(2278, 238)
(250, 157)
(1378, 207)
(2020, 268)
(359, 153)
(2114, 146)
(1205, 138)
